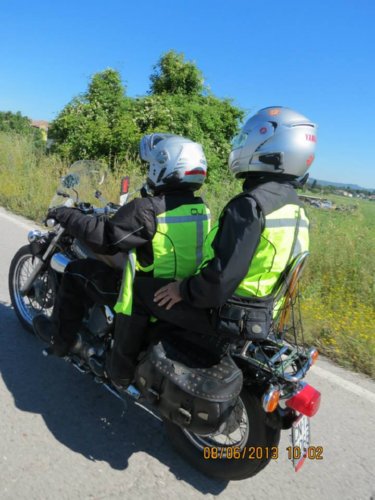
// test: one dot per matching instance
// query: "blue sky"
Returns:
(316, 57)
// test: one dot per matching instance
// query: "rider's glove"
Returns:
(59, 214)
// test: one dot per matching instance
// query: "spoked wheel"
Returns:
(41, 297)
(240, 450)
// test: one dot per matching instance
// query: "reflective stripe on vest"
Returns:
(125, 299)
(177, 248)
(284, 236)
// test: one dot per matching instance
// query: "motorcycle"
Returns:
(273, 395)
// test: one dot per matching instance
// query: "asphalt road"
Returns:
(63, 436)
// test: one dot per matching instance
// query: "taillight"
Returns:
(306, 401)
(125, 185)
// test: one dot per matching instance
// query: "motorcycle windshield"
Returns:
(83, 179)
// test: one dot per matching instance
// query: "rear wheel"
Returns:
(40, 299)
(241, 450)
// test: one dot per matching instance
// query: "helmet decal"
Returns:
(274, 111)
(309, 160)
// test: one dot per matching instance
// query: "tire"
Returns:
(259, 436)
(35, 302)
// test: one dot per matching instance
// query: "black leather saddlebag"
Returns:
(249, 319)
(187, 389)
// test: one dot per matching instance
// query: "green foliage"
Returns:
(174, 76)
(96, 124)
(104, 123)
(339, 284)
(17, 124)
(14, 122)
(28, 177)
(205, 119)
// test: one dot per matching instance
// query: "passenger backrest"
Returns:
(286, 290)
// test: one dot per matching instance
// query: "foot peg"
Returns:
(96, 366)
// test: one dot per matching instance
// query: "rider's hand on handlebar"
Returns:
(58, 214)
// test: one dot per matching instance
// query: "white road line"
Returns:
(345, 384)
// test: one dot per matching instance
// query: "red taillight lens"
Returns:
(125, 185)
(306, 401)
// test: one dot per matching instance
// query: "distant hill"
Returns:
(339, 185)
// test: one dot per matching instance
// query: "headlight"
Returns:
(34, 235)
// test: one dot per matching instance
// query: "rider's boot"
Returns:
(120, 369)
(47, 330)
(122, 359)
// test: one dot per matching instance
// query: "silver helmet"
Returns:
(276, 140)
(175, 162)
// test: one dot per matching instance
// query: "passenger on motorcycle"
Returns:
(165, 232)
(258, 234)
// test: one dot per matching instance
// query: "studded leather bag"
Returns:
(188, 388)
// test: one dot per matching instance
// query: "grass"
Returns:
(339, 282)
(27, 179)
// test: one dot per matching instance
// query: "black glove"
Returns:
(59, 214)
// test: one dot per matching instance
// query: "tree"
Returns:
(96, 124)
(18, 124)
(105, 123)
(205, 119)
(173, 75)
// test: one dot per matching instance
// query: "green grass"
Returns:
(339, 281)
(27, 179)
(339, 284)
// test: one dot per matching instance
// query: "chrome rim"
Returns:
(234, 434)
(40, 298)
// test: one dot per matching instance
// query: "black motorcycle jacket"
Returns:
(132, 227)
(235, 243)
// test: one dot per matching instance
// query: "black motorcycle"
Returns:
(223, 408)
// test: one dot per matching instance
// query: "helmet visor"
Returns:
(239, 140)
(145, 147)
(148, 142)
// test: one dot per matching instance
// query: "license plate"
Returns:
(300, 438)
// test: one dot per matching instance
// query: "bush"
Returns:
(105, 123)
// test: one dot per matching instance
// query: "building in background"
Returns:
(41, 125)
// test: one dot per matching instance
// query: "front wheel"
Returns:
(40, 298)
(241, 450)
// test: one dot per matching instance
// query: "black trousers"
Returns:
(84, 283)
(131, 331)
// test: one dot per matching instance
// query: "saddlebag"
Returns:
(249, 319)
(188, 389)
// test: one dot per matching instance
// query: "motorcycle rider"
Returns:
(165, 233)
(258, 234)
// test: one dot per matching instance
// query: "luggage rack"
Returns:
(285, 361)
(275, 355)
